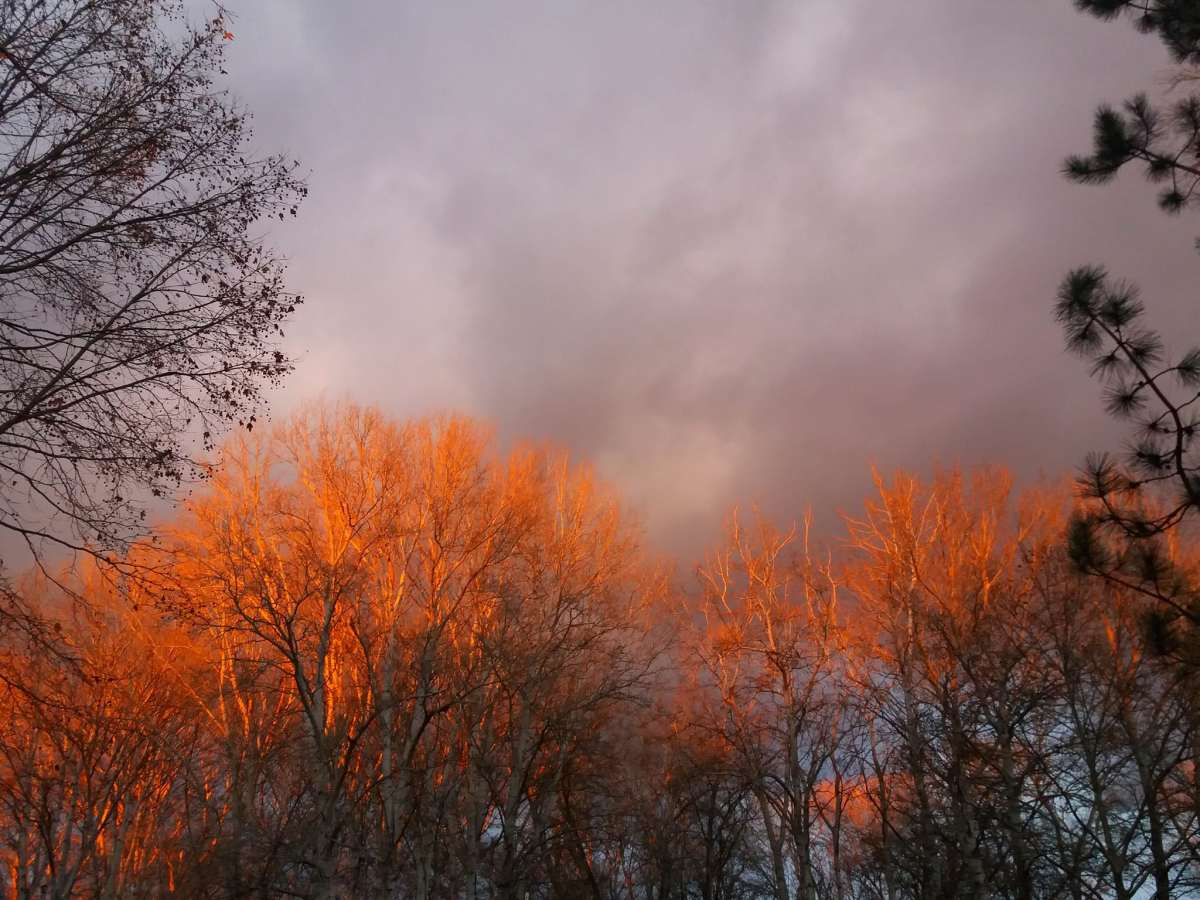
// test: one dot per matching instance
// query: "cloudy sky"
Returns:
(725, 249)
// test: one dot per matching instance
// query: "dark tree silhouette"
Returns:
(1155, 485)
(138, 301)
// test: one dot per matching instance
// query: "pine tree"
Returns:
(1154, 487)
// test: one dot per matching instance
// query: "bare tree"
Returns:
(768, 648)
(435, 637)
(138, 302)
(94, 754)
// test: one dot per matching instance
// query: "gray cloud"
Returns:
(724, 249)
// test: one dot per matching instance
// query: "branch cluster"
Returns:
(139, 307)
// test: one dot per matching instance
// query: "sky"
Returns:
(726, 250)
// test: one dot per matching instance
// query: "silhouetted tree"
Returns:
(138, 302)
(1155, 485)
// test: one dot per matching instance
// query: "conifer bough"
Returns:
(1103, 322)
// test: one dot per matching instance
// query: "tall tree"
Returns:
(767, 650)
(429, 643)
(138, 301)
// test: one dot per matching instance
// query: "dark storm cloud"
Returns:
(725, 249)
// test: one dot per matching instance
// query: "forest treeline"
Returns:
(381, 659)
